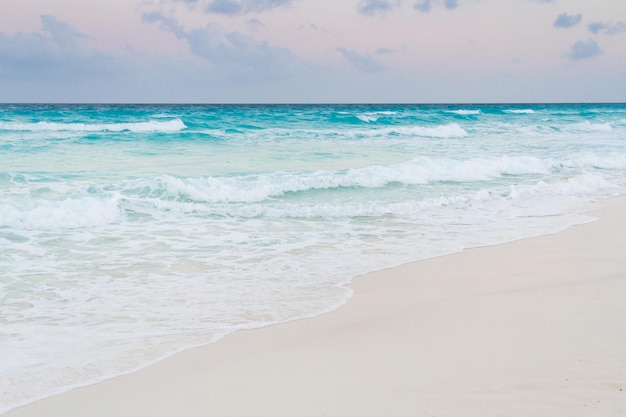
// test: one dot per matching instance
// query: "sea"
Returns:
(131, 232)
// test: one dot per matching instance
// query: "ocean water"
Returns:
(130, 232)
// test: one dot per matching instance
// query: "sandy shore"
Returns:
(531, 328)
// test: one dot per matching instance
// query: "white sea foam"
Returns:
(580, 185)
(56, 215)
(173, 125)
(609, 161)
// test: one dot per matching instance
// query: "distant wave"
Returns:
(447, 131)
(520, 111)
(593, 127)
(463, 112)
(173, 125)
(379, 113)
(451, 130)
(582, 184)
(367, 118)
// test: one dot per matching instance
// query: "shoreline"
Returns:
(530, 327)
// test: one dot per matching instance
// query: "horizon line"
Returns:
(347, 103)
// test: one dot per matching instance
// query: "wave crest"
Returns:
(257, 188)
(463, 112)
(520, 111)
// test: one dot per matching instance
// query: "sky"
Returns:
(312, 51)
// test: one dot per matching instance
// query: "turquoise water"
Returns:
(132, 232)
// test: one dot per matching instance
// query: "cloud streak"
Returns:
(254, 24)
(607, 28)
(62, 33)
(236, 7)
(233, 7)
(363, 63)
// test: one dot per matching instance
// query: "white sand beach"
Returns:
(535, 327)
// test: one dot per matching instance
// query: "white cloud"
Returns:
(59, 54)
(232, 55)
(584, 50)
(58, 65)
(565, 20)
(166, 23)
(232, 7)
(426, 6)
(451, 4)
(229, 7)
(423, 6)
(373, 7)
(597, 27)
